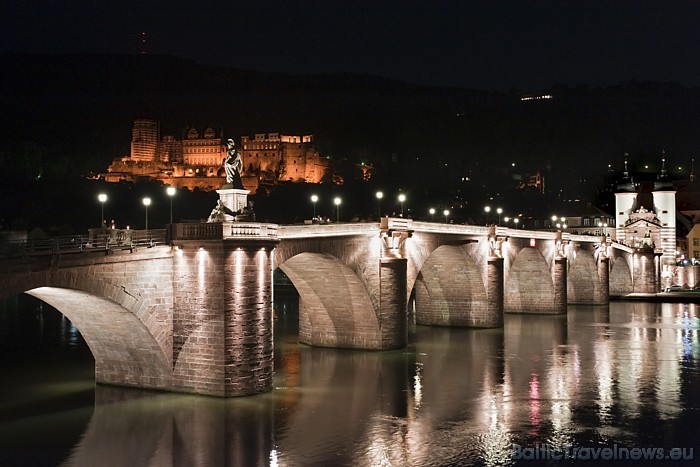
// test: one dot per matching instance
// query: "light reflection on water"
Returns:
(625, 374)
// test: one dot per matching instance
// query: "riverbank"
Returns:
(686, 296)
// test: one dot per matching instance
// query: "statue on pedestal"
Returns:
(233, 166)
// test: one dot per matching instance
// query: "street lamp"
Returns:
(147, 202)
(314, 198)
(605, 228)
(402, 198)
(446, 212)
(499, 211)
(506, 220)
(515, 221)
(432, 213)
(380, 195)
(171, 192)
(102, 198)
(337, 202)
(487, 210)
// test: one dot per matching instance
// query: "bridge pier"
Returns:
(646, 275)
(494, 292)
(602, 293)
(560, 298)
(222, 315)
(393, 316)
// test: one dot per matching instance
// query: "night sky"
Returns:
(475, 44)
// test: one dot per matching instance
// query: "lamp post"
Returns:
(147, 202)
(171, 192)
(102, 198)
(499, 211)
(506, 220)
(337, 202)
(446, 212)
(314, 198)
(604, 227)
(402, 198)
(554, 220)
(380, 195)
(515, 221)
(487, 210)
(432, 213)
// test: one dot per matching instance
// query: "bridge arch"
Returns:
(620, 275)
(335, 309)
(583, 286)
(450, 290)
(127, 294)
(529, 286)
(125, 352)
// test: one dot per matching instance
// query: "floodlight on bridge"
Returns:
(146, 203)
(314, 199)
(171, 192)
(337, 202)
(402, 199)
(380, 195)
(102, 198)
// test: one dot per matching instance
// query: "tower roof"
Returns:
(626, 185)
(663, 181)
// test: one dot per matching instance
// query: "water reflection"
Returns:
(624, 374)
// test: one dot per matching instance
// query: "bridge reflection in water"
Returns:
(625, 374)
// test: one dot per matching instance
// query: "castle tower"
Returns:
(144, 140)
(664, 195)
(625, 199)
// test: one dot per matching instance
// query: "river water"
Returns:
(607, 382)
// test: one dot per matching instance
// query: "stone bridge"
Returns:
(195, 315)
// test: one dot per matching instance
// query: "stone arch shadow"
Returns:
(620, 277)
(450, 290)
(529, 286)
(582, 284)
(125, 351)
(335, 309)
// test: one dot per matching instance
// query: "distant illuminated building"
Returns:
(196, 161)
(290, 158)
(206, 150)
(537, 97)
(145, 135)
(645, 214)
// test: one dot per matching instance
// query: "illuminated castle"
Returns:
(196, 159)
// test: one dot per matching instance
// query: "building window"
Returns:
(586, 221)
(696, 241)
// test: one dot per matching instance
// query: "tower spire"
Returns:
(663, 163)
(692, 169)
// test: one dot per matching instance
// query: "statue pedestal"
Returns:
(233, 198)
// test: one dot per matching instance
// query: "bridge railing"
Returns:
(196, 231)
(250, 229)
(326, 230)
(96, 240)
(219, 230)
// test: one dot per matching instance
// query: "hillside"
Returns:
(86, 103)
